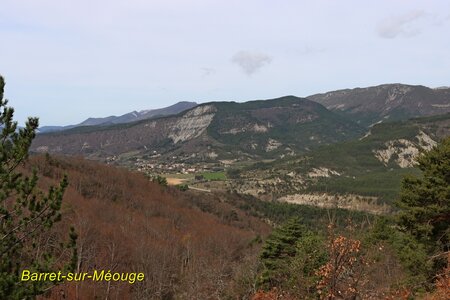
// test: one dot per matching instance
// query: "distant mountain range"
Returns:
(263, 128)
(126, 118)
(273, 128)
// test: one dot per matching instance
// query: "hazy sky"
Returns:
(66, 60)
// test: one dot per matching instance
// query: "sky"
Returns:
(65, 61)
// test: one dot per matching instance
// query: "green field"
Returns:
(214, 175)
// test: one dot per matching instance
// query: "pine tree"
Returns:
(425, 204)
(26, 214)
(277, 251)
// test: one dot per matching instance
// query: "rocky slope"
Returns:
(388, 102)
(371, 166)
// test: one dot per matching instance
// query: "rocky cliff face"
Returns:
(405, 152)
(141, 137)
(192, 124)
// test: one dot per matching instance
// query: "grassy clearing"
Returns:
(214, 175)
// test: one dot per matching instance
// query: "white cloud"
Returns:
(250, 62)
(401, 25)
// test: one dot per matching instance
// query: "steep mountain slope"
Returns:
(221, 129)
(370, 166)
(127, 118)
(388, 102)
(280, 125)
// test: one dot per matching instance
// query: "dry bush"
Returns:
(340, 276)
(442, 284)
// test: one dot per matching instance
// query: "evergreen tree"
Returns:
(160, 180)
(26, 214)
(425, 200)
(411, 253)
(277, 251)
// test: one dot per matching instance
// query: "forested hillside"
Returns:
(192, 245)
(371, 166)
(126, 223)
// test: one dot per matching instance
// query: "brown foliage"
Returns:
(442, 284)
(126, 223)
(401, 294)
(273, 294)
(339, 277)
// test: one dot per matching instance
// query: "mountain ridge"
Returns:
(386, 102)
(126, 118)
(254, 128)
